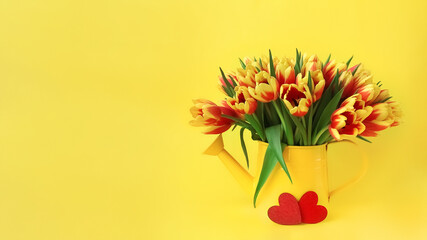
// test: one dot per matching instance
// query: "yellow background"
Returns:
(94, 134)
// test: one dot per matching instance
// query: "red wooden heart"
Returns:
(287, 213)
(310, 211)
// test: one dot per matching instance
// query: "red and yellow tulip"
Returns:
(266, 87)
(312, 64)
(208, 114)
(383, 116)
(317, 80)
(330, 70)
(351, 82)
(285, 72)
(377, 95)
(348, 118)
(242, 103)
(396, 112)
(246, 77)
(297, 98)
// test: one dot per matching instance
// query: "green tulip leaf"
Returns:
(233, 81)
(354, 71)
(272, 71)
(325, 117)
(325, 99)
(385, 100)
(242, 63)
(231, 92)
(270, 162)
(273, 137)
(227, 91)
(310, 82)
(327, 60)
(364, 139)
(349, 61)
(256, 125)
(260, 112)
(242, 142)
(239, 122)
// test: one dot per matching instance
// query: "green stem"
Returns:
(303, 122)
(297, 123)
(310, 126)
(292, 127)
(258, 121)
(326, 137)
(286, 125)
(364, 139)
(330, 138)
(269, 114)
(316, 105)
(303, 130)
(239, 122)
(259, 128)
(297, 136)
(319, 134)
(261, 124)
(261, 113)
(305, 126)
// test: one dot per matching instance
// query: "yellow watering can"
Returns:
(307, 166)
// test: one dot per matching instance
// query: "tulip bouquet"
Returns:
(298, 101)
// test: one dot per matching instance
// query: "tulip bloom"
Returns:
(397, 113)
(265, 63)
(383, 116)
(208, 114)
(313, 64)
(368, 92)
(317, 80)
(352, 82)
(297, 98)
(246, 77)
(348, 118)
(330, 70)
(285, 72)
(242, 103)
(266, 87)
(377, 95)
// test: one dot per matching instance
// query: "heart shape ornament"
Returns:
(310, 211)
(288, 211)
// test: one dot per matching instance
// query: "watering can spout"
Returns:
(239, 173)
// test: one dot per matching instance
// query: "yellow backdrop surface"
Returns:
(94, 134)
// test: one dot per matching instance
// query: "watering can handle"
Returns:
(361, 173)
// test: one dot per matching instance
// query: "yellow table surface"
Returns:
(94, 134)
